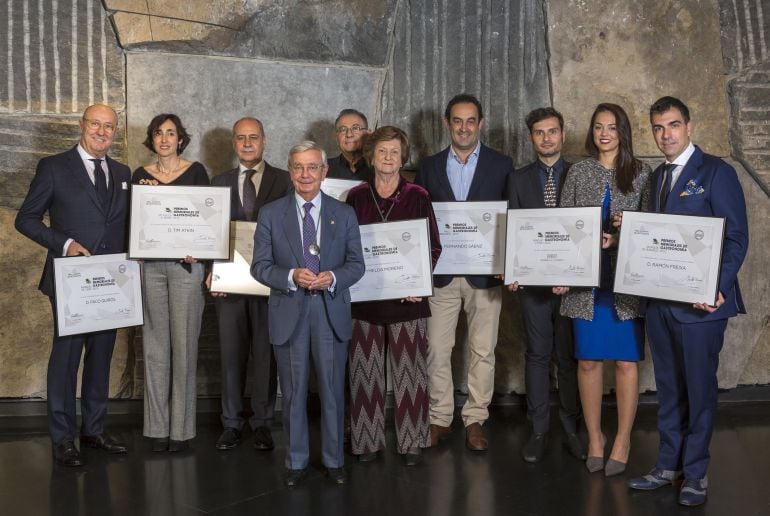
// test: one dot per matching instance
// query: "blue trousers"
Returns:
(685, 360)
(313, 339)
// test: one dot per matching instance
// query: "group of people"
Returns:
(307, 250)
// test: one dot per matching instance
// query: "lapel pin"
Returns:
(331, 221)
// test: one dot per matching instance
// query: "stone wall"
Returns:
(294, 64)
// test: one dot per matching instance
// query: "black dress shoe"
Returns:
(575, 447)
(229, 439)
(103, 441)
(337, 475)
(66, 454)
(178, 446)
(294, 477)
(159, 444)
(367, 457)
(534, 450)
(413, 456)
(263, 440)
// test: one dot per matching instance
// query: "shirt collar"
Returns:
(475, 152)
(259, 168)
(315, 200)
(85, 156)
(684, 157)
(557, 167)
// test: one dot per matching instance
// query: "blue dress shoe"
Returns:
(66, 454)
(103, 441)
(693, 492)
(294, 477)
(654, 479)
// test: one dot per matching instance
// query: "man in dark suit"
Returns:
(538, 186)
(243, 319)
(307, 249)
(685, 340)
(467, 170)
(350, 128)
(85, 193)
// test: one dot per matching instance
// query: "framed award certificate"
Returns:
(176, 221)
(398, 261)
(338, 188)
(96, 293)
(554, 247)
(234, 276)
(472, 237)
(671, 257)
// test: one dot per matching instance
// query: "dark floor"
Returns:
(450, 481)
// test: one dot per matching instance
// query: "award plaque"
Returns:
(472, 237)
(554, 247)
(172, 222)
(96, 293)
(234, 276)
(398, 261)
(671, 257)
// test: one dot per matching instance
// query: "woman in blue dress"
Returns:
(607, 326)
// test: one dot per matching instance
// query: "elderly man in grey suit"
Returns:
(85, 193)
(243, 319)
(307, 249)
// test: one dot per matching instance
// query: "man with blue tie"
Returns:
(685, 340)
(307, 249)
(85, 193)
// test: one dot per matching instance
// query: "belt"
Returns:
(313, 292)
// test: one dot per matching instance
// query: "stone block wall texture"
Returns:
(631, 53)
(495, 50)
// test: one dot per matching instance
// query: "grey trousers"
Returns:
(173, 308)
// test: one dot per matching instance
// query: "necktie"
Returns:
(549, 192)
(668, 171)
(312, 261)
(100, 182)
(249, 195)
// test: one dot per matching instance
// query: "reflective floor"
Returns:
(450, 481)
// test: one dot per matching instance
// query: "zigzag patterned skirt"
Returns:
(407, 349)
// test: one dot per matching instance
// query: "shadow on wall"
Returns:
(216, 151)
(321, 132)
(421, 130)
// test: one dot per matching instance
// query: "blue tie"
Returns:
(312, 262)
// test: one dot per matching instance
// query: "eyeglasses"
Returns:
(355, 129)
(313, 167)
(95, 125)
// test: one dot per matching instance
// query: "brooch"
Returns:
(692, 188)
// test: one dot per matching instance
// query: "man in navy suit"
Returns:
(536, 186)
(243, 319)
(467, 170)
(307, 249)
(85, 193)
(685, 340)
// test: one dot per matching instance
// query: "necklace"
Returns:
(162, 170)
(385, 216)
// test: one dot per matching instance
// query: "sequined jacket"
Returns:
(584, 186)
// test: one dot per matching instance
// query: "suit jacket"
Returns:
(62, 188)
(488, 184)
(524, 190)
(278, 249)
(275, 184)
(722, 196)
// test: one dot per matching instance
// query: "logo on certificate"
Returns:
(579, 224)
(487, 217)
(699, 234)
(122, 269)
(209, 202)
(406, 236)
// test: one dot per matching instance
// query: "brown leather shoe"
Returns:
(438, 433)
(476, 437)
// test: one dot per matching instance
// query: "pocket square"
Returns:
(125, 185)
(692, 188)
